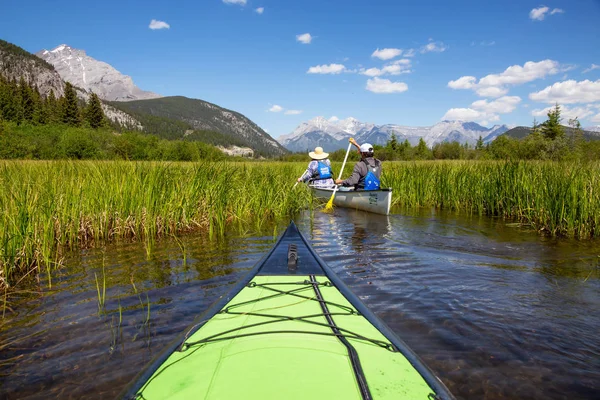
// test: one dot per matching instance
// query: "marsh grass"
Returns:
(559, 199)
(49, 206)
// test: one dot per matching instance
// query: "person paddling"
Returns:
(367, 172)
(318, 172)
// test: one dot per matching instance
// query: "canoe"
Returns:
(375, 201)
(290, 329)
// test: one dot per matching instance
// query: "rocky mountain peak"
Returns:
(81, 70)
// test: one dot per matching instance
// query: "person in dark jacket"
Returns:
(367, 172)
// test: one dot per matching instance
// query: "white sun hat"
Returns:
(318, 154)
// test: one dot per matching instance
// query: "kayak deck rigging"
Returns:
(291, 329)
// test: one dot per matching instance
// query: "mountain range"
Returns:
(83, 71)
(131, 108)
(333, 134)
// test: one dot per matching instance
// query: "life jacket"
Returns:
(323, 172)
(371, 180)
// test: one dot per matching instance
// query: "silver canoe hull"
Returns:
(375, 201)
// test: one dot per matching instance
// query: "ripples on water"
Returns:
(496, 311)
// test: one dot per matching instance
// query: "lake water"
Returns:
(496, 310)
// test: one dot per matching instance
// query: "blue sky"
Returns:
(410, 63)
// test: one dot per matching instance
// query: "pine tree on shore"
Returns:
(94, 113)
(70, 109)
(552, 129)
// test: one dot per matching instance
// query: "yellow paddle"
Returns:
(329, 205)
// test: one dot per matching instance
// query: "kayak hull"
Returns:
(288, 330)
(375, 201)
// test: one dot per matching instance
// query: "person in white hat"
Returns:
(367, 172)
(319, 172)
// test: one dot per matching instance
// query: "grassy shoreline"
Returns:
(49, 205)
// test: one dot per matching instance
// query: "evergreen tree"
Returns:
(27, 100)
(70, 109)
(552, 129)
(393, 142)
(422, 149)
(479, 144)
(51, 105)
(94, 114)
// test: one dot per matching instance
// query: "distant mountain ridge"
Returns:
(194, 114)
(83, 71)
(334, 134)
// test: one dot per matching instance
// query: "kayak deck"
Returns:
(273, 340)
(290, 329)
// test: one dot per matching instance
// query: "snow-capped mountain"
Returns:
(593, 128)
(334, 134)
(81, 70)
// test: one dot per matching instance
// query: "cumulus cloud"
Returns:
(327, 69)
(566, 112)
(464, 82)
(538, 14)
(378, 85)
(410, 53)
(569, 92)
(595, 118)
(276, 108)
(240, 2)
(436, 47)
(494, 85)
(259, 10)
(386, 54)
(293, 112)
(156, 24)
(305, 38)
(591, 68)
(491, 91)
(484, 110)
(395, 68)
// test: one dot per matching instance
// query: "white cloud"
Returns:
(293, 112)
(569, 92)
(276, 108)
(491, 91)
(591, 68)
(462, 114)
(503, 105)
(410, 53)
(327, 69)
(396, 68)
(484, 111)
(334, 119)
(378, 85)
(436, 47)
(156, 24)
(595, 118)
(386, 54)
(494, 85)
(259, 10)
(305, 38)
(516, 74)
(538, 14)
(464, 82)
(567, 113)
(240, 2)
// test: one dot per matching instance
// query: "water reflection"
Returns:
(497, 311)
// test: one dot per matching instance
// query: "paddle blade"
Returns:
(329, 205)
